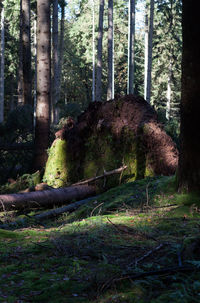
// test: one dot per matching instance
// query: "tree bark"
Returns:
(189, 161)
(26, 53)
(93, 52)
(55, 69)
(61, 48)
(99, 53)
(131, 38)
(2, 66)
(43, 83)
(110, 90)
(46, 198)
(148, 56)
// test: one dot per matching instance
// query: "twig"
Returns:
(147, 254)
(95, 209)
(164, 271)
(105, 174)
(131, 233)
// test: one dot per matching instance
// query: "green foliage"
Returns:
(167, 48)
(23, 182)
(70, 110)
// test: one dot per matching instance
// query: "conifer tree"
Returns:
(110, 90)
(99, 52)
(43, 83)
(2, 65)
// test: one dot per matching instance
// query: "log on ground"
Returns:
(46, 198)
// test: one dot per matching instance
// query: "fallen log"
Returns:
(54, 196)
(58, 211)
(47, 214)
(46, 198)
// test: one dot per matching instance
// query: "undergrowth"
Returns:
(139, 242)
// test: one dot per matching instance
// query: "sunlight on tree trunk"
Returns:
(131, 38)
(43, 83)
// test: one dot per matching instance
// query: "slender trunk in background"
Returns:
(99, 53)
(55, 67)
(20, 68)
(169, 91)
(43, 83)
(131, 39)
(148, 55)
(2, 66)
(60, 63)
(110, 90)
(146, 51)
(26, 53)
(93, 51)
(189, 160)
(35, 75)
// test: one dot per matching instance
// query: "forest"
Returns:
(99, 151)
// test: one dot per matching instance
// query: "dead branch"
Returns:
(135, 276)
(105, 174)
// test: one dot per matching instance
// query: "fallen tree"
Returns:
(46, 198)
(107, 135)
(55, 196)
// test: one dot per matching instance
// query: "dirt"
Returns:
(122, 130)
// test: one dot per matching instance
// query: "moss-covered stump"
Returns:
(108, 135)
(56, 168)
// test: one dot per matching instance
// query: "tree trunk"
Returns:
(26, 52)
(93, 51)
(131, 38)
(99, 53)
(110, 90)
(35, 75)
(55, 69)
(2, 66)
(61, 48)
(169, 91)
(46, 198)
(43, 83)
(148, 53)
(189, 162)
(20, 68)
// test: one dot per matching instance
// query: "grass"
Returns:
(88, 255)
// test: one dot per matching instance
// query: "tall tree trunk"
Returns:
(20, 68)
(148, 56)
(26, 52)
(169, 91)
(189, 162)
(55, 69)
(2, 66)
(43, 83)
(93, 51)
(61, 48)
(131, 38)
(146, 50)
(99, 53)
(110, 90)
(35, 75)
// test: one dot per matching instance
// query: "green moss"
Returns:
(56, 168)
(5, 234)
(22, 182)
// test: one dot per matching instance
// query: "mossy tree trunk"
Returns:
(189, 164)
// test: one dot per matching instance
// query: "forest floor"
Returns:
(138, 242)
